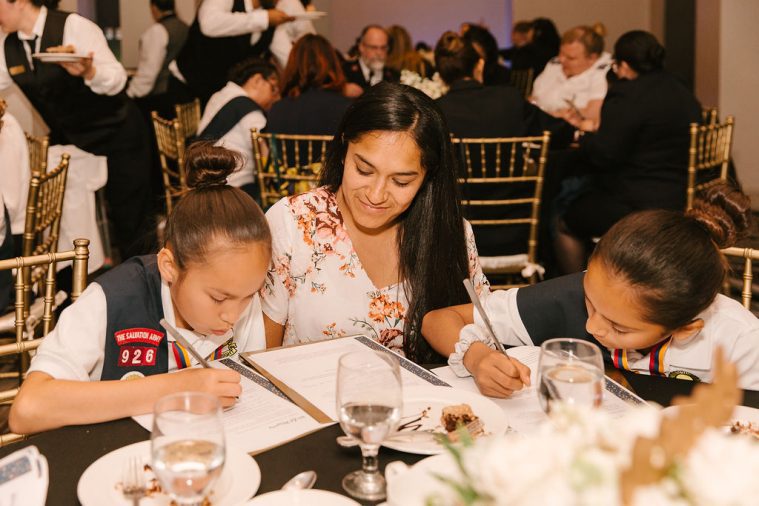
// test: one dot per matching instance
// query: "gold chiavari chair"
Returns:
(708, 156)
(42, 225)
(748, 255)
(501, 181)
(189, 117)
(24, 339)
(522, 80)
(37, 153)
(287, 164)
(171, 150)
(709, 116)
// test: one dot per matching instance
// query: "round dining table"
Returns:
(70, 450)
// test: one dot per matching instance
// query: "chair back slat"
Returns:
(748, 255)
(522, 80)
(170, 138)
(188, 116)
(287, 164)
(503, 186)
(708, 156)
(38, 147)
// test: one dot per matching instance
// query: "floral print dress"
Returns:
(316, 286)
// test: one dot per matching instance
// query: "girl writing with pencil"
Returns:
(204, 281)
(650, 298)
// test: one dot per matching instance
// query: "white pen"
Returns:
(182, 341)
(476, 301)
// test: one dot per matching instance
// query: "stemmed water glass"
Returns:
(187, 445)
(570, 371)
(369, 403)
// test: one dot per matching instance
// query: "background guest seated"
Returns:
(237, 108)
(638, 158)
(313, 81)
(575, 81)
(369, 68)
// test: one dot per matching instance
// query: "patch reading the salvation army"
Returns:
(138, 336)
(133, 351)
(684, 375)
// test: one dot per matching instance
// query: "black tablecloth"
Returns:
(71, 449)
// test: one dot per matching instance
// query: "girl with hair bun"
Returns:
(650, 299)
(204, 282)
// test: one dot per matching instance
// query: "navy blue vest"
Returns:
(135, 342)
(227, 117)
(74, 113)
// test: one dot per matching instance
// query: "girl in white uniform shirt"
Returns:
(650, 298)
(204, 282)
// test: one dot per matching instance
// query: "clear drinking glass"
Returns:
(187, 445)
(570, 371)
(369, 403)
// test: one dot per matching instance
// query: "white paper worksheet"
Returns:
(262, 418)
(523, 408)
(311, 369)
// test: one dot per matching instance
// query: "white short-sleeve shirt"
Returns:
(552, 88)
(75, 349)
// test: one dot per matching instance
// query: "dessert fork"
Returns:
(133, 480)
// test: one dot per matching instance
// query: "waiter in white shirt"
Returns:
(84, 104)
(159, 46)
(574, 83)
(224, 33)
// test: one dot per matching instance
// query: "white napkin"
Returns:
(23, 478)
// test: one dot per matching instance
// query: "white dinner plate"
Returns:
(310, 15)
(99, 485)
(415, 485)
(59, 57)
(422, 407)
(311, 497)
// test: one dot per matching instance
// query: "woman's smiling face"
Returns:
(381, 176)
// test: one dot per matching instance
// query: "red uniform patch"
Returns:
(138, 335)
(137, 356)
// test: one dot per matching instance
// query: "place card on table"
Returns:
(310, 369)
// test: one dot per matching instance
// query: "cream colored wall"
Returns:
(706, 75)
(738, 85)
(619, 16)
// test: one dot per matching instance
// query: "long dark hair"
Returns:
(673, 260)
(431, 243)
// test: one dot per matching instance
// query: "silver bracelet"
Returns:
(469, 335)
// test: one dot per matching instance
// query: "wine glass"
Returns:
(570, 371)
(369, 402)
(187, 445)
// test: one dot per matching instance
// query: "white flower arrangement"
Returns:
(578, 457)
(433, 88)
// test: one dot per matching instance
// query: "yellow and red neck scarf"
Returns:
(655, 358)
(182, 357)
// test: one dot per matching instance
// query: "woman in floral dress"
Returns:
(381, 241)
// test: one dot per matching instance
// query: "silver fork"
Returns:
(133, 481)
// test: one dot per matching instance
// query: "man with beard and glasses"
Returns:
(369, 69)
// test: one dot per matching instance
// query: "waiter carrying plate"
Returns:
(62, 63)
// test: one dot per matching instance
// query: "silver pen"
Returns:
(478, 305)
(182, 341)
